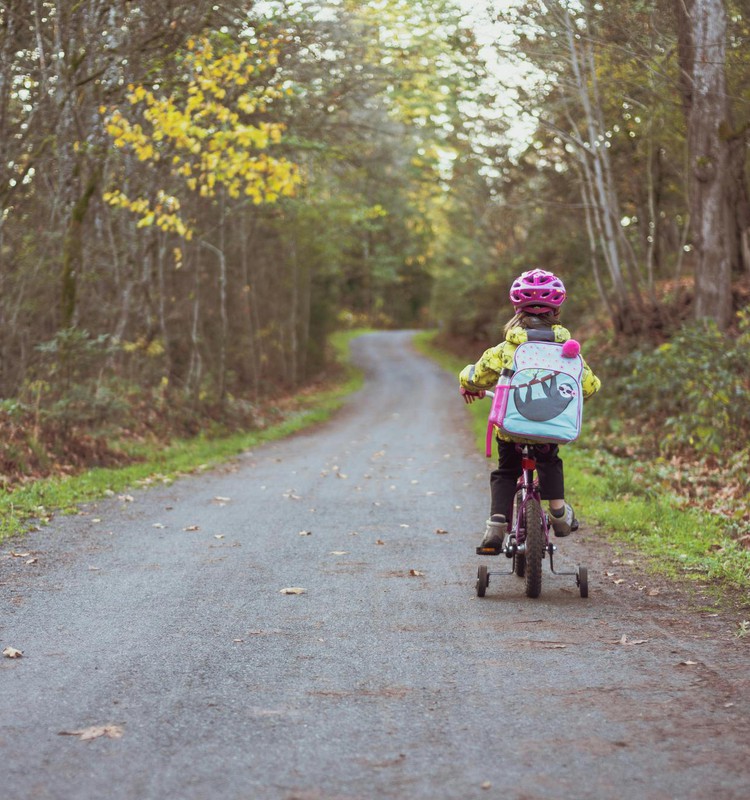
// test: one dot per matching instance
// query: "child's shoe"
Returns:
(492, 543)
(563, 521)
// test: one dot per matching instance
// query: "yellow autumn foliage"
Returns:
(207, 133)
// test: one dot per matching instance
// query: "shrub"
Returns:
(692, 393)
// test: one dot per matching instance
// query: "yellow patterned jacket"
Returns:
(486, 372)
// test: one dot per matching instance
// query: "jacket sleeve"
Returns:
(486, 372)
(589, 382)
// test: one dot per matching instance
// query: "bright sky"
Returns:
(481, 14)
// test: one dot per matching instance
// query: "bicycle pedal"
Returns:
(489, 551)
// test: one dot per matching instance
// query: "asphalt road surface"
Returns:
(162, 660)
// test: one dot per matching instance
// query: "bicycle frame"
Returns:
(526, 490)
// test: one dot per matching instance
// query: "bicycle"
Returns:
(527, 541)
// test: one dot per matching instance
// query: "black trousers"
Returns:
(504, 479)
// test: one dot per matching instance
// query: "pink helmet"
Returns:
(537, 291)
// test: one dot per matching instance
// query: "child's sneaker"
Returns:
(493, 535)
(563, 521)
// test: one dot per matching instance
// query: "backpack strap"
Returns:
(540, 336)
(499, 402)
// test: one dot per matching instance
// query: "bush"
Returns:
(692, 393)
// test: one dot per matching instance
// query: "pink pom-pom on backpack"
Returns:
(571, 348)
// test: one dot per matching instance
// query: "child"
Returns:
(536, 297)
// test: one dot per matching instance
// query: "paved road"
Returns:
(162, 617)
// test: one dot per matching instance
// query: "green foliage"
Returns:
(693, 390)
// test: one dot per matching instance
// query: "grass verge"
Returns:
(34, 503)
(675, 541)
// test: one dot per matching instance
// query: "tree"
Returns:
(716, 156)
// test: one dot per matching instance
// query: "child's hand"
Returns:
(470, 397)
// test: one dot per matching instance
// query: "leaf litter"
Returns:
(96, 732)
(624, 640)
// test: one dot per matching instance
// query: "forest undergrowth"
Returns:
(50, 468)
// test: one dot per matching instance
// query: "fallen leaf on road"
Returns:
(32, 561)
(486, 785)
(305, 533)
(379, 541)
(158, 525)
(624, 640)
(126, 498)
(618, 581)
(218, 499)
(291, 495)
(403, 525)
(191, 528)
(416, 573)
(440, 531)
(339, 552)
(652, 592)
(293, 590)
(20, 555)
(688, 663)
(95, 731)
(218, 536)
(11, 652)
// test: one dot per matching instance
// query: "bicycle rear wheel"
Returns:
(535, 547)
(519, 559)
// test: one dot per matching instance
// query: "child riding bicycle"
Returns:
(537, 296)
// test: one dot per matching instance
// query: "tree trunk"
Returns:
(224, 319)
(716, 239)
(72, 253)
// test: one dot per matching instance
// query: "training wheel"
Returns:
(582, 579)
(483, 580)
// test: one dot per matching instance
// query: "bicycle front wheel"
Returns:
(535, 547)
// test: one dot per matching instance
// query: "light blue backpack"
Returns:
(540, 399)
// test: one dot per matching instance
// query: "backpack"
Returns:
(541, 398)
